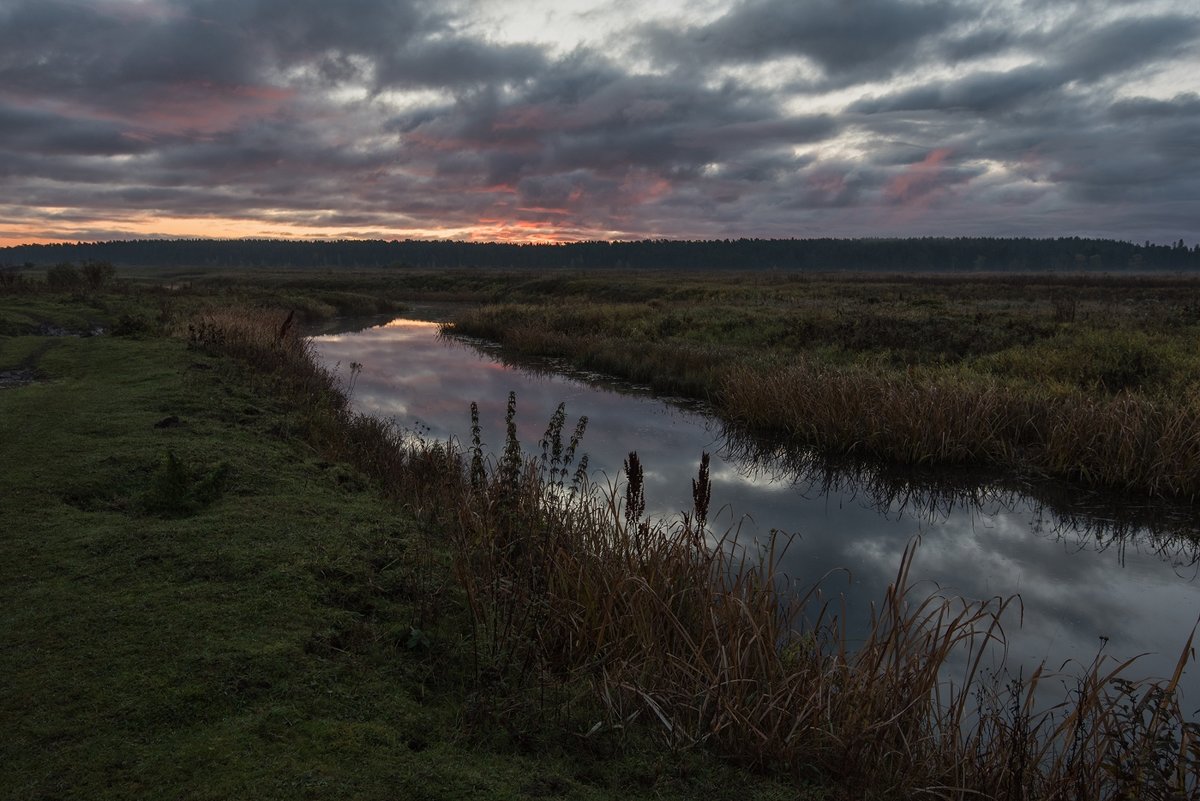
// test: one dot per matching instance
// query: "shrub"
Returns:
(97, 273)
(13, 282)
(64, 277)
(131, 325)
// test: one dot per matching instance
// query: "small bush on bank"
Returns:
(64, 277)
(13, 282)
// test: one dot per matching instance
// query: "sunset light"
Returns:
(586, 120)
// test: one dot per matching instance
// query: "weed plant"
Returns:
(580, 607)
(177, 491)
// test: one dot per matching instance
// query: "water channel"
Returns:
(1090, 572)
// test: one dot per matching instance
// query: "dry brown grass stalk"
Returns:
(1123, 441)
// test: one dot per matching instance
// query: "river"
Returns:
(1091, 572)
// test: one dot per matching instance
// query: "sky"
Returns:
(559, 120)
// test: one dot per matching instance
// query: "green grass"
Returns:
(30, 314)
(196, 604)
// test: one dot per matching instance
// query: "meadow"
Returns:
(221, 580)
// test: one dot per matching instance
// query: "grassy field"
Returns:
(219, 581)
(197, 603)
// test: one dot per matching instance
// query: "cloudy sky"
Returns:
(573, 119)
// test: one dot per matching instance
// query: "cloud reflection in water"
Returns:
(1080, 577)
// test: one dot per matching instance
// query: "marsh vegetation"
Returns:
(1088, 379)
(554, 610)
(577, 602)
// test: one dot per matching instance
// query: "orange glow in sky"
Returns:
(142, 227)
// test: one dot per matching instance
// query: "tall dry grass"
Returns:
(665, 625)
(710, 645)
(1124, 441)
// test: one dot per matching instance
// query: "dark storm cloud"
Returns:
(980, 92)
(457, 63)
(976, 43)
(589, 113)
(80, 51)
(193, 90)
(124, 53)
(27, 130)
(1153, 157)
(1185, 106)
(1085, 148)
(1086, 58)
(385, 115)
(593, 140)
(1044, 121)
(840, 36)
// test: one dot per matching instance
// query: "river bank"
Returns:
(195, 602)
(567, 586)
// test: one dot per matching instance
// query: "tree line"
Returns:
(931, 254)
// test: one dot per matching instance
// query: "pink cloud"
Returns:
(201, 107)
(920, 183)
(643, 187)
(191, 108)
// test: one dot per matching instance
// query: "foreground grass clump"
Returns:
(198, 602)
(1091, 379)
(586, 617)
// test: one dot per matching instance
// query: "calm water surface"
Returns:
(1086, 575)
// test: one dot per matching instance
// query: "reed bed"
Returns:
(1124, 441)
(664, 624)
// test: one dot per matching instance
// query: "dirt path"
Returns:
(25, 371)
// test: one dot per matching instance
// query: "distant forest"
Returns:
(903, 255)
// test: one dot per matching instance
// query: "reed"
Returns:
(569, 588)
(1124, 441)
(710, 645)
